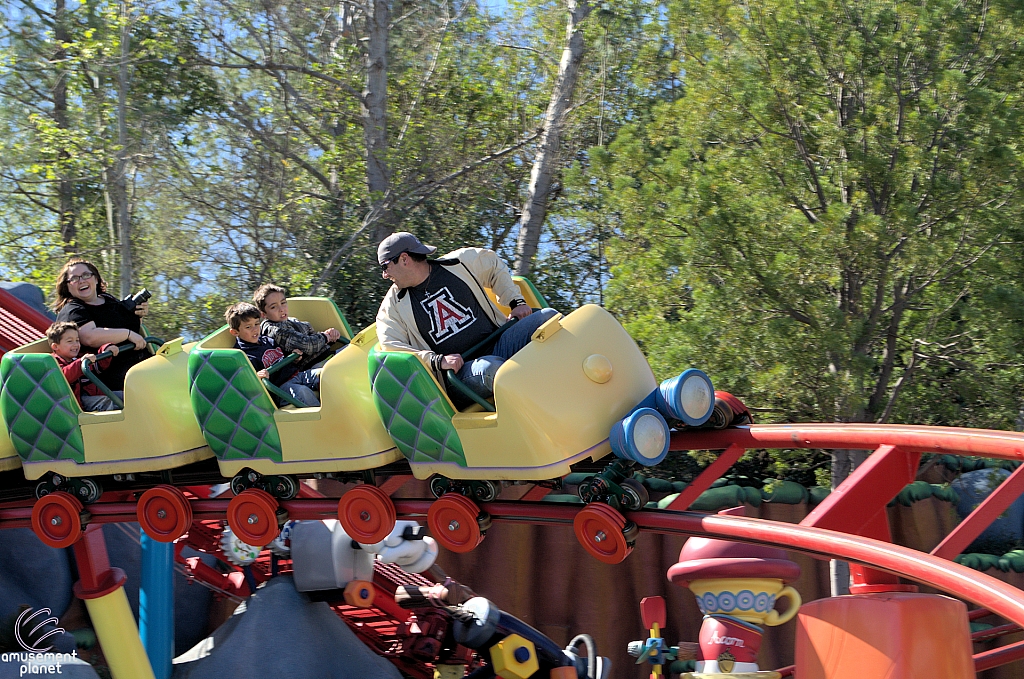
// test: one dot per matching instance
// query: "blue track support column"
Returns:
(156, 604)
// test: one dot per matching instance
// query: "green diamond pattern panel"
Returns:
(39, 408)
(415, 412)
(231, 406)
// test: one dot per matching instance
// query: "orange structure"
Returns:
(895, 635)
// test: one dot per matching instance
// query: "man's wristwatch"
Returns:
(516, 302)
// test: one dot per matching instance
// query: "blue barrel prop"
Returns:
(641, 436)
(688, 398)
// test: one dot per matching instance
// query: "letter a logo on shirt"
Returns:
(447, 317)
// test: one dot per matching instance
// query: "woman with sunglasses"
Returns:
(101, 318)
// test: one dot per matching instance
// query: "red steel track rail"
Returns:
(994, 595)
(1007, 445)
(850, 524)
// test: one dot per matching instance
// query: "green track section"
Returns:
(39, 408)
(231, 406)
(414, 411)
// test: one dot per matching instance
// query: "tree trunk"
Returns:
(844, 461)
(536, 206)
(374, 114)
(66, 210)
(121, 171)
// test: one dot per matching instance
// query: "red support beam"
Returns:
(393, 483)
(982, 516)
(853, 506)
(308, 491)
(95, 576)
(999, 656)
(994, 632)
(535, 494)
(711, 473)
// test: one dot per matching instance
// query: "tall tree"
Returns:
(812, 217)
(535, 208)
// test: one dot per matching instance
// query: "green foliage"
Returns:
(821, 219)
(817, 202)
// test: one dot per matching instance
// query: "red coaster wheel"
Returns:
(367, 514)
(164, 513)
(252, 516)
(57, 520)
(598, 528)
(454, 523)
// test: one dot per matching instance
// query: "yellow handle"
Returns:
(774, 617)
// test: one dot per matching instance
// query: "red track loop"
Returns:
(598, 528)
(367, 514)
(56, 519)
(252, 517)
(453, 523)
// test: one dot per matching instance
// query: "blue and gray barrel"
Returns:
(643, 435)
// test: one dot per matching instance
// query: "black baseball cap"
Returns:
(400, 242)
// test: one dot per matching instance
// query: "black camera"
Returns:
(135, 300)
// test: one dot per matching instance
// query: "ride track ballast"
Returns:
(850, 524)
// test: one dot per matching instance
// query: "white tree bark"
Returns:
(844, 461)
(544, 165)
(121, 167)
(374, 117)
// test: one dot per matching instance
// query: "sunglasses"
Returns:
(394, 260)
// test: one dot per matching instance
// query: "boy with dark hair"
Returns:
(65, 345)
(244, 323)
(290, 333)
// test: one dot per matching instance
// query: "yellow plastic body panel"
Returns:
(319, 312)
(524, 287)
(156, 430)
(549, 413)
(345, 433)
(8, 455)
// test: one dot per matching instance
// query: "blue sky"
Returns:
(494, 6)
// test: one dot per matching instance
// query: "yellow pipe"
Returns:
(118, 635)
(656, 633)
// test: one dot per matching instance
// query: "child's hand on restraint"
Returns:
(263, 374)
(332, 334)
(89, 357)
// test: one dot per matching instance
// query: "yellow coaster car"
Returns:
(246, 430)
(8, 455)
(155, 430)
(555, 403)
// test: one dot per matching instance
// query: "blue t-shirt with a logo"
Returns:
(447, 314)
(263, 354)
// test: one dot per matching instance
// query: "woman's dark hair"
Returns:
(64, 295)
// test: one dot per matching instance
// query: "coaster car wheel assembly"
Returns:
(604, 533)
(253, 517)
(58, 519)
(367, 514)
(457, 523)
(164, 513)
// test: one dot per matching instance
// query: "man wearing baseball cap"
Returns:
(438, 309)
